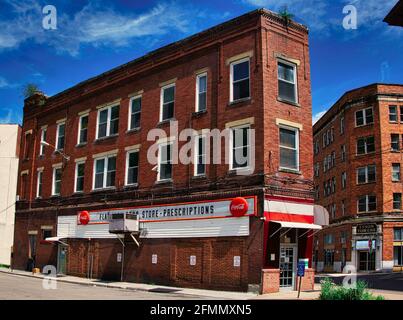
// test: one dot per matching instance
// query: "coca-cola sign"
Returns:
(238, 207)
(84, 217)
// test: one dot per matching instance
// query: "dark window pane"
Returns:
(362, 205)
(287, 138)
(288, 158)
(359, 118)
(102, 130)
(369, 117)
(285, 72)
(99, 180)
(136, 105)
(286, 91)
(168, 111)
(132, 175)
(241, 71)
(202, 101)
(241, 89)
(371, 203)
(361, 175)
(133, 159)
(371, 173)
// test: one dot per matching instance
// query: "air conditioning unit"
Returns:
(124, 223)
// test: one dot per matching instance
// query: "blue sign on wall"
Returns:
(301, 269)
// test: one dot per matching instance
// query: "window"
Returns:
(46, 233)
(401, 114)
(165, 162)
(316, 169)
(392, 113)
(200, 154)
(289, 149)
(201, 92)
(79, 183)
(333, 159)
(316, 147)
(394, 142)
(366, 174)
(43, 139)
(364, 117)
(328, 239)
(57, 181)
(39, 184)
(365, 145)
(83, 129)
(343, 153)
(108, 122)
(27, 145)
(344, 180)
(342, 125)
(333, 184)
(240, 147)
(398, 234)
(60, 136)
(167, 102)
(395, 172)
(367, 203)
(329, 258)
(132, 165)
(105, 172)
(333, 211)
(343, 207)
(343, 237)
(135, 112)
(240, 87)
(397, 201)
(287, 81)
(24, 186)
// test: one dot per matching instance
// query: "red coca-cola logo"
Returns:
(84, 217)
(238, 207)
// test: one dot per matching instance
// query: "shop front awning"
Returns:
(56, 239)
(298, 225)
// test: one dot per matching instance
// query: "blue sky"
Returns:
(95, 36)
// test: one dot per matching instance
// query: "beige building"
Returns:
(9, 153)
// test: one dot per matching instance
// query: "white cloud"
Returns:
(3, 82)
(7, 118)
(317, 116)
(94, 25)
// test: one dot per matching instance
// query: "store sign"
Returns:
(176, 212)
(367, 228)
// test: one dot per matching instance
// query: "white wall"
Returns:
(8, 188)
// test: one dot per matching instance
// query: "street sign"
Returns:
(301, 269)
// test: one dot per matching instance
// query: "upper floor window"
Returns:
(396, 172)
(200, 156)
(57, 181)
(342, 125)
(366, 174)
(316, 147)
(240, 80)
(43, 139)
(395, 142)
(108, 121)
(79, 177)
(240, 147)
(343, 152)
(398, 234)
(39, 184)
(60, 136)
(344, 180)
(82, 129)
(397, 201)
(364, 117)
(201, 92)
(289, 148)
(287, 81)
(365, 145)
(165, 161)
(401, 114)
(367, 203)
(392, 113)
(132, 167)
(105, 172)
(135, 112)
(167, 102)
(316, 169)
(343, 207)
(328, 239)
(27, 144)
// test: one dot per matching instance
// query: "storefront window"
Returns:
(398, 234)
(329, 257)
(398, 256)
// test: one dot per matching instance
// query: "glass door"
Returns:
(61, 259)
(366, 260)
(287, 266)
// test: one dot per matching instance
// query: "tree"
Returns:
(286, 15)
(30, 89)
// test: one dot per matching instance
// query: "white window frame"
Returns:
(296, 146)
(231, 163)
(366, 174)
(160, 146)
(366, 203)
(39, 174)
(399, 172)
(105, 173)
(198, 77)
(108, 123)
(396, 113)
(54, 180)
(196, 155)
(231, 87)
(128, 153)
(43, 139)
(344, 180)
(342, 124)
(366, 146)
(79, 129)
(162, 100)
(76, 176)
(295, 83)
(129, 125)
(57, 135)
(364, 117)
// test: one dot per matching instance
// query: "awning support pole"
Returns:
(275, 232)
(304, 233)
(135, 240)
(285, 232)
(313, 233)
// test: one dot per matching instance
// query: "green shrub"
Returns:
(331, 291)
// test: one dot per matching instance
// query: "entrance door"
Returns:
(366, 260)
(287, 266)
(61, 259)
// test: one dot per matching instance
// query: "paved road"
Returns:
(380, 281)
(14, 287)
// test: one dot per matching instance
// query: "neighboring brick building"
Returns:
(251, 72)
(357, 167)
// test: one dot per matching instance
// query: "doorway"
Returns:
(61, 259)
(366, 260)
(288, 258)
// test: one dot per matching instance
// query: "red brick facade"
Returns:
(378, 98)
(263, 38)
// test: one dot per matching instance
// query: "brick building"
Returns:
(357, 173)
(85, 155)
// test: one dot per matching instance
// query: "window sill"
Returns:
(55, 196)
(365, 183)
(103, 189)
(395, 151)
(162, 182)
(80, 145)
(165, 122)
(106, 138)
(285, 170)
(133, 130)
(197, 114)
(131, 186)
(199, 177)
(240, 102)
(364, 125)
(365, 154)
(78, 193)
(240, 171)
(295, 104)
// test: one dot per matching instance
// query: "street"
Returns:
(13, 287)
